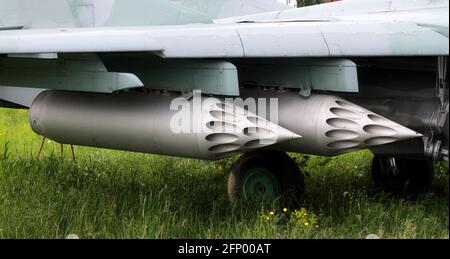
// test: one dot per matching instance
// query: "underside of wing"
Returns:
(275, 40)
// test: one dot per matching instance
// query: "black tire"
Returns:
(409, 178)
(282, 169)
(446, 129)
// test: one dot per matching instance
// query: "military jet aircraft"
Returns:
(212, 79)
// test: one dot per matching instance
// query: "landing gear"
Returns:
(402, 177)
(265, 175)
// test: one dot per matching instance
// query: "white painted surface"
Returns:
(296, 39)
(292, 3)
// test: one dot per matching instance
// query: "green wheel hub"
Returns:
(260, 183)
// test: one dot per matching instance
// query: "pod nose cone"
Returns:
(286, 135)
(232, 129)
(349, 126)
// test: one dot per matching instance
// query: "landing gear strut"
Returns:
(265, 175)
(402, 177)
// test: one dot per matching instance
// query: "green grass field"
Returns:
(111, 194)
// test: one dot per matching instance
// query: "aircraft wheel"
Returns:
(265, 175)
(402, 177)
(446, 129)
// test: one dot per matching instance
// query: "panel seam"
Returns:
(244, 55)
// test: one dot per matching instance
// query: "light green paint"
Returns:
(95, 13)
(218, 9)
(442, 29)
(211, 77)
(152, 12)
(36, 14)
(70, 72)
(86, 72)
(338, 75)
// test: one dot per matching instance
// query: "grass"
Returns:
(112, 194)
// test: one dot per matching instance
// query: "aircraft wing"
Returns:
(242, 40)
